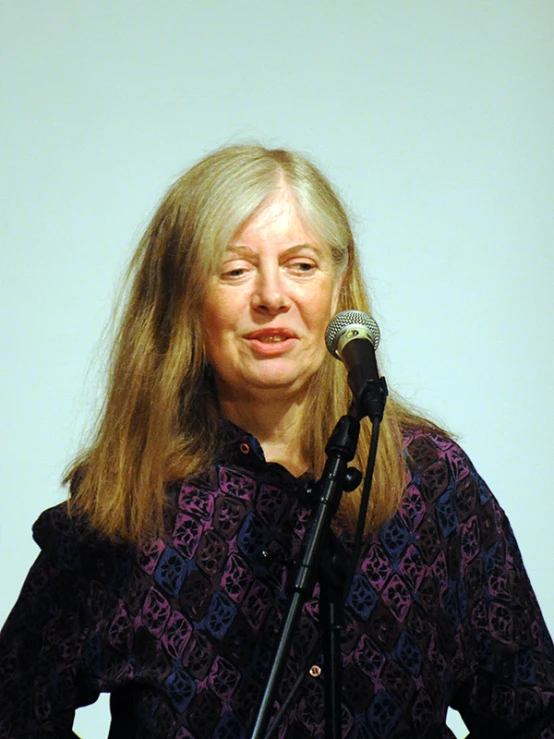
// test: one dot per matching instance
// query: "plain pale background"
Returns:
(435, 121)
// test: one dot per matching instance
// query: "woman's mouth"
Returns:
(275, 333)
(273, 339)
(266, 340)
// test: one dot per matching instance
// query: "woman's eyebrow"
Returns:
(242, 250)
(238, 249)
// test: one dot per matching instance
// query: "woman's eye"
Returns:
(303, 267)
(233, 273)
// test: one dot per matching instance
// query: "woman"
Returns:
(162, 581)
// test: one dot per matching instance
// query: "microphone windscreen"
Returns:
(351, 321)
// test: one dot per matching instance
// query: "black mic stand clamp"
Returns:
(320, 546)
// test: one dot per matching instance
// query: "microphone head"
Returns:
(349, 325)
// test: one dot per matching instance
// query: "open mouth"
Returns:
(271, 335)
(272, 339)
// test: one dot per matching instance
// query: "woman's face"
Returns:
(267, 308)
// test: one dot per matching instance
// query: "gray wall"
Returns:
(434, 119)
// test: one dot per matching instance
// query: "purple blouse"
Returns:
(182, 632)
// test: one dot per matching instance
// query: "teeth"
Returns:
(272, 339)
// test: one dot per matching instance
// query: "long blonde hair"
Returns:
(160, 419)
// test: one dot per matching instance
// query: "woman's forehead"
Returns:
(280, 213)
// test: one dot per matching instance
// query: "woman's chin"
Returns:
(277, 381)
(286, 383)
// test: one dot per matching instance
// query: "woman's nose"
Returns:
(269, 293)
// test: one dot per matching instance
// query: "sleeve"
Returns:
(43, 670)
(504, 666)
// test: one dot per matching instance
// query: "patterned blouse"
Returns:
(182, 632)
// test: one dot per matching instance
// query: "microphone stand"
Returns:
(333, 579)
(320, 546)
(322, 555)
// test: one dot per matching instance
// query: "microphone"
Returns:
(353, 336)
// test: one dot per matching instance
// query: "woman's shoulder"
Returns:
(60, 523)
(432, 452)
(70, 544)
(442, 477)
(444, 491)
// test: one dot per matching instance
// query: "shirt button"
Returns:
(315, 670)
(244, 448)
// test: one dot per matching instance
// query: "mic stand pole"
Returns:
(333, 579)
(327, 493)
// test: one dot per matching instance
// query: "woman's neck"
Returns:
(277, 425)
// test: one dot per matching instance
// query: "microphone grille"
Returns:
(350, 319)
